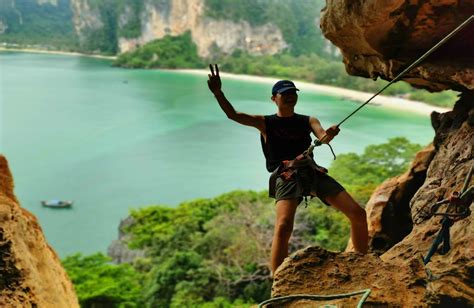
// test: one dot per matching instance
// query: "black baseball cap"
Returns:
(282, 86)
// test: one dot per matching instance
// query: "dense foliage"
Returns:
(215, 252)
(219, 248)
(191, 262)
(43, 24)
(169, 52)
(101, 284)
(360, 174)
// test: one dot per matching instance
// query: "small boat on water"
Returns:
(57, 203)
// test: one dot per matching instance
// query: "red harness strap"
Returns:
(289, 167)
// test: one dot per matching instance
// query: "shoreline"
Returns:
(390, 102)
(55, 52)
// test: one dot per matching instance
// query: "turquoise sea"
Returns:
(113, 139)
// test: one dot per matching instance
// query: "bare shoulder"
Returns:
(260, 122)
(313, 120)
(257, 121)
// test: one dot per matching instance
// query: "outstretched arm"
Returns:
(325, 136)
(215, 86)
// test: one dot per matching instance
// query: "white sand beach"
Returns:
(384, 101)
(380, 100)
(56, 52)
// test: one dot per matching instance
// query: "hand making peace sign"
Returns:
(214, 81)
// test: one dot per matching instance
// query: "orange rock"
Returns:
(381, 38)
(31, 272)
(316, 271)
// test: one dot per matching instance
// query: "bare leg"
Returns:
(356, 214)
(285, 215)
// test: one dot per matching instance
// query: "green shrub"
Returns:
(98, 282)
(168, 52)
(362, 173)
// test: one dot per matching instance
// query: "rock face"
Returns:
(388, 211)
(316, 271)
(175, 17)
(187, 15)
(381, 38)
(85, 18)
(118, 250)
(31, 274)
(452, 274)
(400, 216)
(3, 27)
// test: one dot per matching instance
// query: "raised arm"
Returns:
(215, 86)
(325, 136)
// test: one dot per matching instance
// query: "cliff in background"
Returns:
(380, 38)
(116, 26)
(208, 34)
(31, 272)
(157, 19)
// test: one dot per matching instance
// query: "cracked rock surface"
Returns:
(380, 38)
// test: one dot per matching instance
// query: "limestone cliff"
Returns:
(3, 27)
(175, 17)
(85, 18)
(378, 38)
(31, 272)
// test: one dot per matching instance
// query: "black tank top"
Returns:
(287, 137)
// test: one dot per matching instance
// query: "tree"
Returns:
(362, 173)
(99, 283)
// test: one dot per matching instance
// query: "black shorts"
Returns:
(307, 182)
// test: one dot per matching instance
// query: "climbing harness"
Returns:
(365, 293)
(458, 208)
(398, 77)
(288, 170)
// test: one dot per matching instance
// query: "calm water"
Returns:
(112, 139)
